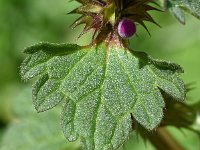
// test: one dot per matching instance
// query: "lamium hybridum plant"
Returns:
(107, 89)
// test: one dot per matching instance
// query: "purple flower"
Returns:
(126, 28)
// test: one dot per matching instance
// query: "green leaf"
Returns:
(30, 131)
(190, 6)
(178, 13)
(101, 87)
(35, 134)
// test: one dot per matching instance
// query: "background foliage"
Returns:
(26, 22)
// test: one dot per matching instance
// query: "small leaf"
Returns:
(178, 13)
(190, 6)
(101, 87)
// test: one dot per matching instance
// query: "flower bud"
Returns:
(126, 28)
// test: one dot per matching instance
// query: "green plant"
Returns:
(107, 89)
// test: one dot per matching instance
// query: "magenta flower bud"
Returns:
(126, 28)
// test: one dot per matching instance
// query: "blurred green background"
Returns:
(26, 22)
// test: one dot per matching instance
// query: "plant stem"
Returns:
(163, 140)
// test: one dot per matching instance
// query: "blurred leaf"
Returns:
(35, 134)
(178, 13)
(196, 125)
(190, 6)
(103, 85)
(6, 99)
(31, 131)
(136, 142)
(178, 114)
(1, 134)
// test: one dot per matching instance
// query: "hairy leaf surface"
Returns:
(100, 88)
